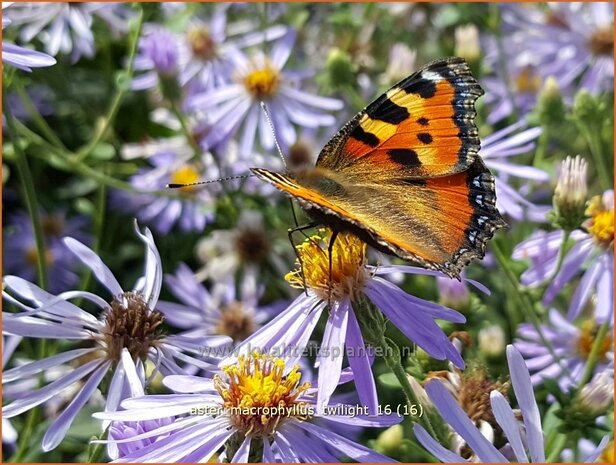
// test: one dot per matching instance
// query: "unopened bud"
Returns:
(570, 194)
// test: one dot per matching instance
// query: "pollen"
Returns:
(348, 271)
(201, 42)
(263, 83)
(601, 223)
(528, 81)
(601, 42)
(186, 174)
(587, 338)
(32, 256)
(258, 395)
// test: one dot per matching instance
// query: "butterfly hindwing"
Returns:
(422, 127)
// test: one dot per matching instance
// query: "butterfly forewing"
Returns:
(422, 127)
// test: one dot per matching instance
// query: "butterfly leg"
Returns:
(290, 233)
(330, 249)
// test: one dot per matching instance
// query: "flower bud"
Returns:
(340, 69)
(453, 293)
(388, 442)
(550, 105)
(570, 194)
(492, 341)
(401, 63)
(597, 395)
(467, 43)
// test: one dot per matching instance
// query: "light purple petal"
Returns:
(332, 352)
(360, 364)
(101, 272)
(506, 419)
(453, 414)
(241, 456)
(436, 449)
(58, 429)
(38, 366)
(523, 388)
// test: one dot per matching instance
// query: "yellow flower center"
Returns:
(601, 223)
(258, 395)
(262, 83)
(587, 338)
(187, 174)
(348, 271)
(32, 256)
(528, 81)
(607, 456)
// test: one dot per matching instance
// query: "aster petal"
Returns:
(453, 414)
(189, 384)
(308, 449)
(286, 452)
(523, 388)
(33, 368)
(360, 364)
(205, 438)
(506, 419)
(324, 103)
(604, 310)
(241, 456)
(332, 352)
(153, 268)
(47, 392)
(268, 456)
(58, 429)
(594, 455)
(90, 259)
(376, 421)
(344, 445)
(35, 327)
(24, 58)
(520, 171)
(51, 303)
(436, 449)
(570, 266)
(282, 49)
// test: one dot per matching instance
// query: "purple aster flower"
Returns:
(22, 260)
(574, 42)
(261, 78)
(225, 311)
(158, 56)
(592, 251)
(282, 425)
(519, 448)
(570, 343)
(21, 57)
(515, 82)
(246, 248)
(191, 208)
(352, 281)
(66, 27)
(129, 321)
(496, 150)
(205, 48)
(453, 293)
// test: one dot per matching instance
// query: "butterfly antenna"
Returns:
(199, 183)
(271, 125)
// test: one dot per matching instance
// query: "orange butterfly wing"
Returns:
(422, 127)
(404, 174)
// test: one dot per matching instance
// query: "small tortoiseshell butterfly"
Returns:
(404, 175)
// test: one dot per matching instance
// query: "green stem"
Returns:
(594, 143)
(123, 87)
(391, 353)
(562, 250)
(526, 304)
(557, 448)
(542, 145)
(186, 129)
(36, 116)
(27, 183)
(595, 352)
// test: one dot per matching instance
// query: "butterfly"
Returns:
(405, 175)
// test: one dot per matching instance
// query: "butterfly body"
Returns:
(404, 174)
